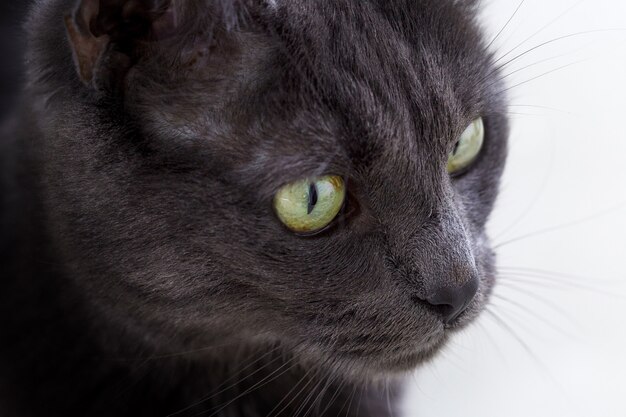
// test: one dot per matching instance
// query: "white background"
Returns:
(562, 292)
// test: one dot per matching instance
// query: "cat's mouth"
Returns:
(407, 351)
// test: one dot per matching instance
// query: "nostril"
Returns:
(452, 301)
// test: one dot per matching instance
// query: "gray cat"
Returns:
(243, 208)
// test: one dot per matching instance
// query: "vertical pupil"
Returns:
(456, 147)
(312, 198)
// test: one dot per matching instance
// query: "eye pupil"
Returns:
(310, 205)
(467, 147)
(456, 147)
(312, 198)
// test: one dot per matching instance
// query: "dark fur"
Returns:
(142, 266)
(11, 45)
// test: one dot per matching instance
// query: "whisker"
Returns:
(147, 360)
(513, 113)
(560, 226)
(289, 393)
(519, 6)
(534, 106)
(556, 19)
(530, 312)
(557, 39)
(332, 399)
(505, 279)
(513, 317)
(129, 381)
(320, 394)
(519, 340)
(389, 408)
(536, 197)
(454, 358)
(571, 64)
(491, 340)
(343, 406)
(553, 274)
(500, 67)
(534, 64)
(351, 400)
(567, 285)
(264, 381)
(321, 380)
(177, 354)
(219, 391)
(360, 402)
(308, 398)
(516, 286)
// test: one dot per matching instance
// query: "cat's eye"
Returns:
(309, 206)
(467, 148)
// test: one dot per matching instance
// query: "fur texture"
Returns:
(146, 273)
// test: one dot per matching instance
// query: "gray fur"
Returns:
(142, 224)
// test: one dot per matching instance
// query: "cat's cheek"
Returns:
(359, 367)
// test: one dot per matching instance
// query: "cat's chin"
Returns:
(391, 364)
(401, 363)
(382, 364)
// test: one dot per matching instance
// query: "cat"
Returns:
(243, 208)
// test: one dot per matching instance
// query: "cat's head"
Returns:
(274, 171)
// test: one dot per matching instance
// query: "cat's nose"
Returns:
(451, 300)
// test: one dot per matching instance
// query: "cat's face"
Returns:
(164, 200)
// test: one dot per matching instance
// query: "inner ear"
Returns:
(103, 35)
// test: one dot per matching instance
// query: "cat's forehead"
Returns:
(408, 57)
(344, 81)
(403, 68)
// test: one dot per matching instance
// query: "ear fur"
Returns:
(103, 33)
(86, 47)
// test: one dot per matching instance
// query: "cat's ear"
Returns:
(106, 35)
(103, 33)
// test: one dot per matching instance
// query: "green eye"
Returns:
(308, 206)
(467, 148)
